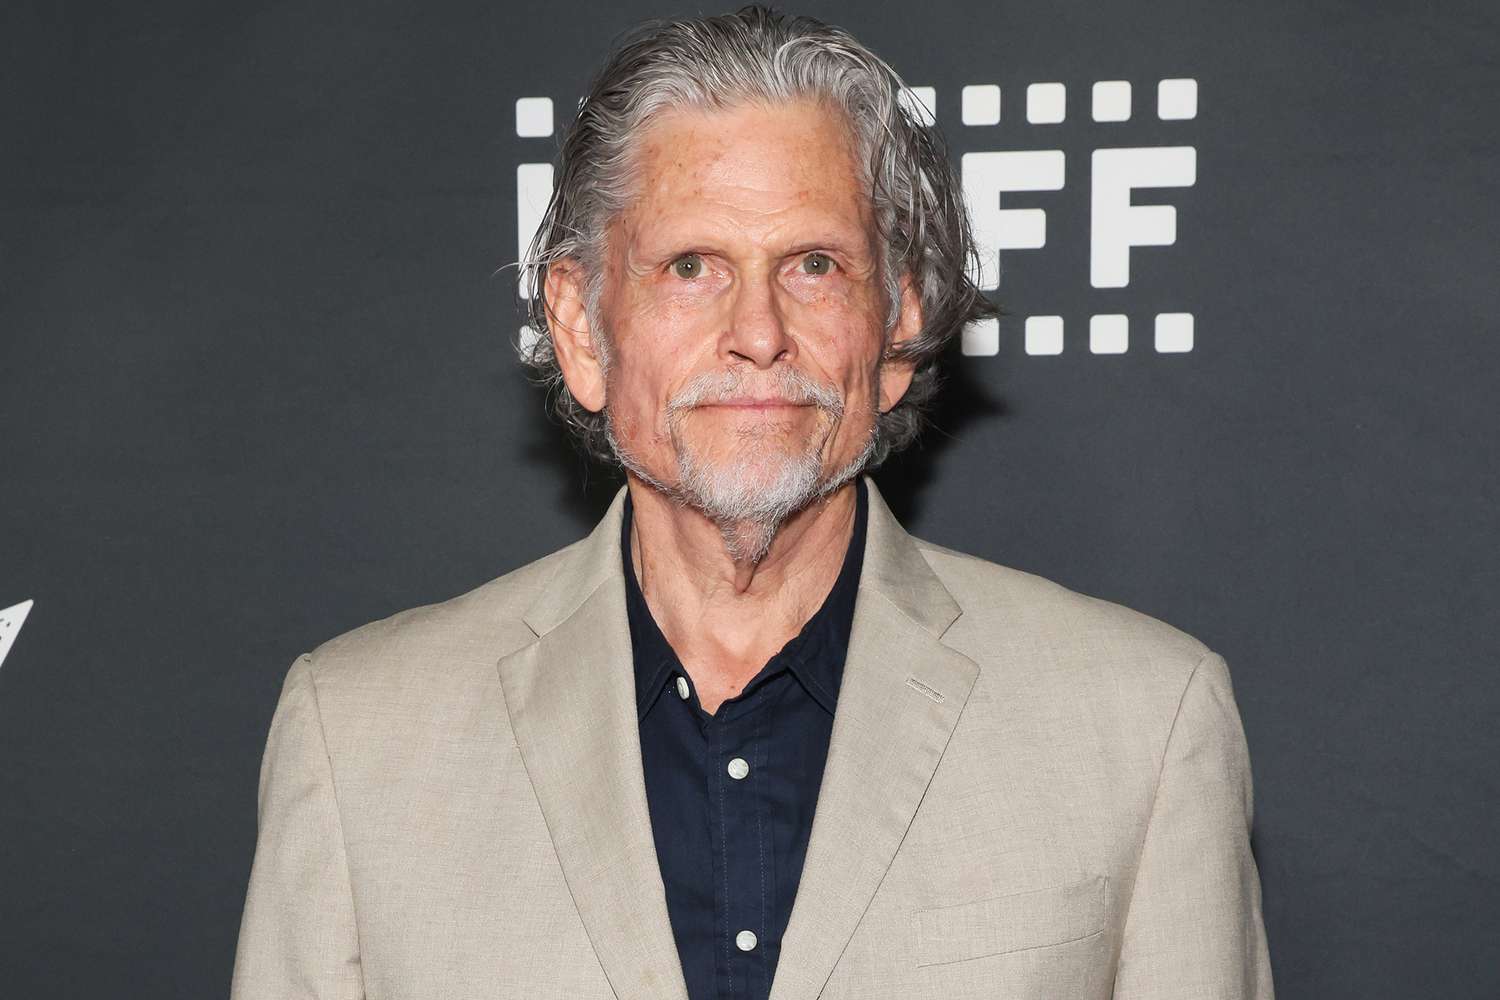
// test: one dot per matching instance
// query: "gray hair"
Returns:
(760, 55)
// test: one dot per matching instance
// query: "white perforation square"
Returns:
(1109, 333)
(1112, 101)
(982, 338)
(534, 117)
(1046, 103)
(920, 103)
(1174, 332)
(1044, 334)
(1177, 99)
(981, 104)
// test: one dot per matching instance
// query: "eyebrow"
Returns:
(828, 243)
(836, 242)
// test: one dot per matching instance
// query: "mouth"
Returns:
(750, 403)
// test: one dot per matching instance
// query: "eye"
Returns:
(689, 265)
(817, 263)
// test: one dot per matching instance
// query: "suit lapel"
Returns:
(900, 699)
(571, 699)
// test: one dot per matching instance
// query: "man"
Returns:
(749, 738)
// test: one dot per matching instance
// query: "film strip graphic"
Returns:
(1115, 225)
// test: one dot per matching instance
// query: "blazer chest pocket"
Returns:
(1013, 922)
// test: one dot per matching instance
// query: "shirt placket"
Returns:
(741, 847)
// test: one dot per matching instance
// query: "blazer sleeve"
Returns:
(297, 935)
(1194, 929)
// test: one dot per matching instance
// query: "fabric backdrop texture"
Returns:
(258, 387)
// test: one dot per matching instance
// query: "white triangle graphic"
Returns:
(11, 620)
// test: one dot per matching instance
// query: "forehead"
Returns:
(762, 170)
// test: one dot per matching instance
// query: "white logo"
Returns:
(11, 620)
(1115, 225)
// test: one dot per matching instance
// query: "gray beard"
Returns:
(747, 511)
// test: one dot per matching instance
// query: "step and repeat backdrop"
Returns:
(258, 386)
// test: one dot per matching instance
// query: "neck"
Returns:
(726, 616)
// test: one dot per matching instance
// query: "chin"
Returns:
(758, 483)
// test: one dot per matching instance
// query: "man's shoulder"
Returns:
(453, 636)
(1063, 630)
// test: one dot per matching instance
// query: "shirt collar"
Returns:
(816, 654)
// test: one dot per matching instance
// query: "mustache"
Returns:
(789, 384)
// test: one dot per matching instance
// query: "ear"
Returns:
(896, 373)
(572, 341)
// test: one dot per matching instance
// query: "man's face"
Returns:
(743, 304)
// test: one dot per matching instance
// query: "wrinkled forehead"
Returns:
(754, 165)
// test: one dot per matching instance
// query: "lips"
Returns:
(738, 391)
(744, 403)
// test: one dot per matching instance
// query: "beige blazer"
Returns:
(1030, 794)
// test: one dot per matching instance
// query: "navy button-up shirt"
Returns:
(732, 794)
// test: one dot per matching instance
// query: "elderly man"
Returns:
(749, 738)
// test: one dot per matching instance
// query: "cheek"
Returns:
(847, 355)
(665, 333)
(632, 398)
(640, 382)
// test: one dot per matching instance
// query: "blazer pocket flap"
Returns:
(1013, 922)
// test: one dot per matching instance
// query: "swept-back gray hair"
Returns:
(763, 56)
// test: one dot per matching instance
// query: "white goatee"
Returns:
(748, 501)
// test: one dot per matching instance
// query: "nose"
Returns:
(757, 330)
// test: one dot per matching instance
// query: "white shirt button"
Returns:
(745, 940)
(682, 687)
(737, 770)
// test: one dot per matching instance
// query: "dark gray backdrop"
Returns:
(256, 389)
